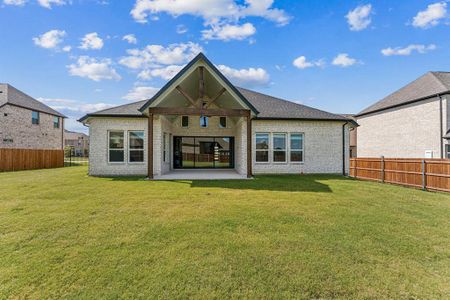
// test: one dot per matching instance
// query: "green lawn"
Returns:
(66, 235)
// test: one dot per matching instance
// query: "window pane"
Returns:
(279, 156)
(55, 122)
(136, 140)
(296, 155)
(262, 141)
(116, 155)
(116, 140)
(35, 117)
(136, 156)
(279, 141)
(184, 121)
(262, 156)
(204, 121)
(223, 122)
(297, 141)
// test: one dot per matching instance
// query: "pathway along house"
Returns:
(199, 120)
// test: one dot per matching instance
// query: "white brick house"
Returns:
(199, 120)
(27, 123)
(412, 122)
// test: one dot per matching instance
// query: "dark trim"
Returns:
(441, 123)
(32, 109)
(150, 146)
(343, 149)
(306, 119)
(189, 65)
(249, 147)
(401, 104)
(183, 111)
(82, 119)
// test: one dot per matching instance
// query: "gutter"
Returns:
(441, 123)
(343, 149)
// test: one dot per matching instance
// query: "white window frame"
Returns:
(181, 121)
(261, 150)
(116, 149)
(129, 148)
(285, 148)
(297, 150)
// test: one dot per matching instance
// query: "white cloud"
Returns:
(343, 60)
(359, 18)
(50, 40)
(301, 63)
(66, 48)
(140, 93)
(210, 10)
(228, 32)
(431, 16)
(152, 56)
(130, 38)
(60, 104)
(165, 73)
(181, 29)
(91, 41)
(408, 50)
(14, 2)
(93, 69)
(246, 77)
(48, 3)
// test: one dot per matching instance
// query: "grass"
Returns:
(66, 235)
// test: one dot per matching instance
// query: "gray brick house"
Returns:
(78, 142)
(412, 122)
(27, 123)
(200, 122)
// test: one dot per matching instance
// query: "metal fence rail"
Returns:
(428, 174)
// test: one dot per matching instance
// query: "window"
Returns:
(116, 146)
(185, 121)
(296, 147)
(279, 147)
(136, 146)
(204, 121)
(164, 147)
(447, 147)
(262, 147)
(223, 122)
(55, 122)
(35, 117)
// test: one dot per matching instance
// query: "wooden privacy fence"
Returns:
(428, 174)
(30, 159)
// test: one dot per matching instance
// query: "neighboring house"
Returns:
(412, 122)
(78, 142)
(27, 123)
(200, 120)
(353, 137)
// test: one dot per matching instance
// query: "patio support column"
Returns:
(249, 145)
(150, 146)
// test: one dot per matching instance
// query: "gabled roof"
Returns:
(18, 98)
(429, 85)
(276, 108)
(130, 110)
(200, 56)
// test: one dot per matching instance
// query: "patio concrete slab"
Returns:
(201, 174)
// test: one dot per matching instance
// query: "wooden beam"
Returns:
(201, 86)
(150, 146)
(223, 90)
(249, 147)
(186, 111)
(186, 95)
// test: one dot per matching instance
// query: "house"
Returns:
(78, 142)
(412, 122)
(199, 120)
(353, 137)
(27, 123)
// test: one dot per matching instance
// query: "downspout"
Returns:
(343, 148)
(441, 136)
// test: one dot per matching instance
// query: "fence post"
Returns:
(382, 169)
(424, 175)
(356, 167)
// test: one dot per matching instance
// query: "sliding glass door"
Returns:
(203, 152)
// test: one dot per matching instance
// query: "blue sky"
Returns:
(340, 56)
